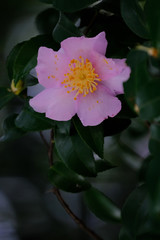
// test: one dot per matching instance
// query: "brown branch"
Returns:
(90, 23)
(44, 140)
(50, 150)
(57, 193)
(74, 217)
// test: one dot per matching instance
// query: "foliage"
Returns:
(133, 32)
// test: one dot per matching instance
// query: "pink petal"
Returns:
(63, 107)
(97, 106)
(51, 67)
(116, 83)
(41, 101)
(113, 72)
(81, 46)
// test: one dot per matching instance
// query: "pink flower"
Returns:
(79, 79)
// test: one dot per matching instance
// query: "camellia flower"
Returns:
(79, 79)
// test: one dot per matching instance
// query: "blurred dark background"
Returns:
(27, 209)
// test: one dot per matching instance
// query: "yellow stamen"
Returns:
(81, 77)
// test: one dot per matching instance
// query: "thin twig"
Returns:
(91, 23)
(44, 140)
(74, 217)
(50, 150)
(57, 193)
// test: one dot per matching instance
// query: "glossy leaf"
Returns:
(101, 205)
(153, 176)
(72, 5)
(64, 29)
(126, 111)
(93, 136)
(74, 152)
(103, 165)
(153, 183)
(148, 100)
(64, 178)
(47, 20)
(125, 235)
(5, 96)
(114, 126)
(136, 60)
(154, 143)
(29, 120)
(24, 56)
(11, 59)
(134, 17)
(153, 20)
(135, 214)
(11, 131)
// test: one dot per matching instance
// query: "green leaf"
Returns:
(103, 165)
(93, 136)
(153, 20)
(153, 183)
(71, 5)
(126, 110)
(148, 100)
(11, 132)
(29, 120)
(154, 143)
(24, 56)
(124, 235)
(64, 178)
(134, 17)
(101, 205)
(64, 29)
(47, 20)
(114, 126)
(74, 152)
(136, 60)
(11, 59)
(84, 153)
(135, 213)
(47, 1)
(5, 96)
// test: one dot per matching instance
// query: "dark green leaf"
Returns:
(47, 20)
(101, 205)
(126, 110)
(47, 1)
(11, 59)
(29, 80)
(5, 96)
(125, 235)
(64, 178)
(93, 136)
(134, 17)
(74, 152)
(136, 60)
(30, 120)
(103, 165)
(135, 213)
(148, 100)
(24, 56)
(153, 183)
(153, 20)
(154, 143)
(84, 153)
(64, 29)
(114, 126)
(71, 5)
(11, 132)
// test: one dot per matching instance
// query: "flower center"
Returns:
(81, 77)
